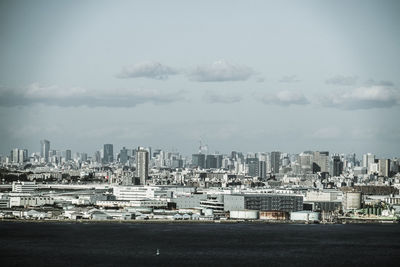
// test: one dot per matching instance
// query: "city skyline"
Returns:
(248, 77)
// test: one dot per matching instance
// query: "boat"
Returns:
(158, 252)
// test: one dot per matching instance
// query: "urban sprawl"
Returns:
(152, 185)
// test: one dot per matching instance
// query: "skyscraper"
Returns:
(253, 167)
(142, 165)
(368, 160)
(45, 149)
(211, 162)
(337, 166)
(384, 167)
(68, 155)
(123, 155)
(15, 155)
(199, 160)
(108, 153)
(275, 161)
(320, 161)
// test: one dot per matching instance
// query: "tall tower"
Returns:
(108, 153)
(68, 155)
(275, 161)
(45, 149)
(142, 165)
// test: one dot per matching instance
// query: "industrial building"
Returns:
(282, 202)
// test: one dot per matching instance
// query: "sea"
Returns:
(125, 244)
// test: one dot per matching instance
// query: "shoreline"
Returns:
(350, 221)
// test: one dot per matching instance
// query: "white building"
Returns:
(136, 192)
(24, 187)
(28, 200)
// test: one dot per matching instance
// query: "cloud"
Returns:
(72, 97)
(289, 79)
(224, 99)
(342, 80)
(285, 98)
(220, 71)
(372, 82)
(327, 133)
(151, 70)
(364, 98)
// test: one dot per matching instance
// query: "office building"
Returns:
(108, 153)
(282, 202)
(275, 161)
(320, 161)
(199, 160)
(68, 155)
(336, 166)
(142, 165)
(45, 150)
(123, 155)
(384, 167)
(253, 167)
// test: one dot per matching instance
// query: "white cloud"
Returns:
(286, 98)
(225, 99)
(152, 70)
(364, 98)
(342, 80)
(76, 96)
(327, 133)
(372, 82)
(221, 71)
(289, 79)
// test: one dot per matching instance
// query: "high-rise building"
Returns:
(368, 159)
(262, 169)
(97, 156)
(275, 161)
(384, 167)
(320, 161)
(337, 166)
(68, 155)
(84, 156)
(123, 155)
(15, 155)
(45, 150)
(211, 162)
(199, 160)
(108, 153)
(253, 167)
(142, 165)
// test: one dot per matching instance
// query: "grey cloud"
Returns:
(342, 80)
(372, 82)
(225, 99)
(289, 79)
(152, 70)
(73, 97)
(364, 98)
(285, 98)
(220, 71)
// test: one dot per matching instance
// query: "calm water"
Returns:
(70, 244)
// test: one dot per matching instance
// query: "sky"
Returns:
(238, 75)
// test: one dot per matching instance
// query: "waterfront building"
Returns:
(282, 202)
